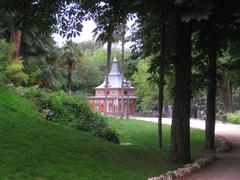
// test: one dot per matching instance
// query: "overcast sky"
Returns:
(87, 34)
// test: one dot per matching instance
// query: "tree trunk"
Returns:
(225, 91)
(123, 44)
(122, 63)
(211, 93)
(161, 85)
(109, 51)
(230, 95)
(180, 129)
(15, 38)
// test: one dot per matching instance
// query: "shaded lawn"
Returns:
(143, 134)
(32, 148)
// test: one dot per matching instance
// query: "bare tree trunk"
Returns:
(211, 93)
(109, 51)
(15, 38)
(225, 91)
(230, 94)
(229, 102)
(123, 29)
(180, 129)
(161, 85)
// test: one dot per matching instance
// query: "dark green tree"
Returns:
(214, 36)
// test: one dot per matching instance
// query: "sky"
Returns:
(87, 34)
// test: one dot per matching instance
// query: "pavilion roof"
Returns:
(115, 77)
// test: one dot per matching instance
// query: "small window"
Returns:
(99, 92)
(125, 92)
(113, 91)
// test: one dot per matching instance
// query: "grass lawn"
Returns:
(33, 148)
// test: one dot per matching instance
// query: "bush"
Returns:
(73, 111)
(6, 50)
(11, 71)
(14, 73)
(233, 118)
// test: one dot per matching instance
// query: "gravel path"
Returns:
(227, 167)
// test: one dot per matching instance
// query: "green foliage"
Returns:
(34, 77)
(6, 50)
(233, 118)
(147, 91)
(87, 76)
(147, 87)
(73, 111)
(36, 43)
(98, 57)
(14, 73)
(228, 65)
(72, 49)
(44, 72)
(130, 65)
(88, 46)
(11, 71)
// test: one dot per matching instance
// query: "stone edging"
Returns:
(224, 147)
(197, 164)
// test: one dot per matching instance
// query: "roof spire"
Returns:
(114, 77)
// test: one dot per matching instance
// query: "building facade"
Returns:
(116, 99)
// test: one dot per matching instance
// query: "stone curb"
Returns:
(196, 165)
(224, 147)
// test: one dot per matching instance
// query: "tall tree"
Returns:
(72, 55)
(109, 52)
(180, 129)
(211, 92)
(228, 76)
(123, 28)
(161, 83)
(155, 40)
(216, 33)
(104, 37)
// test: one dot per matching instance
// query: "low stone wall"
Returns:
(197, 164)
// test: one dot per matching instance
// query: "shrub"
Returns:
(11, 71)
(73, 111)
(6, 50)
(109, 135)
(233, 117)
(14, 73)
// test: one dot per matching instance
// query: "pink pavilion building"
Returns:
(120, 98)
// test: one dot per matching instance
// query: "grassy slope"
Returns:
(32, 148)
